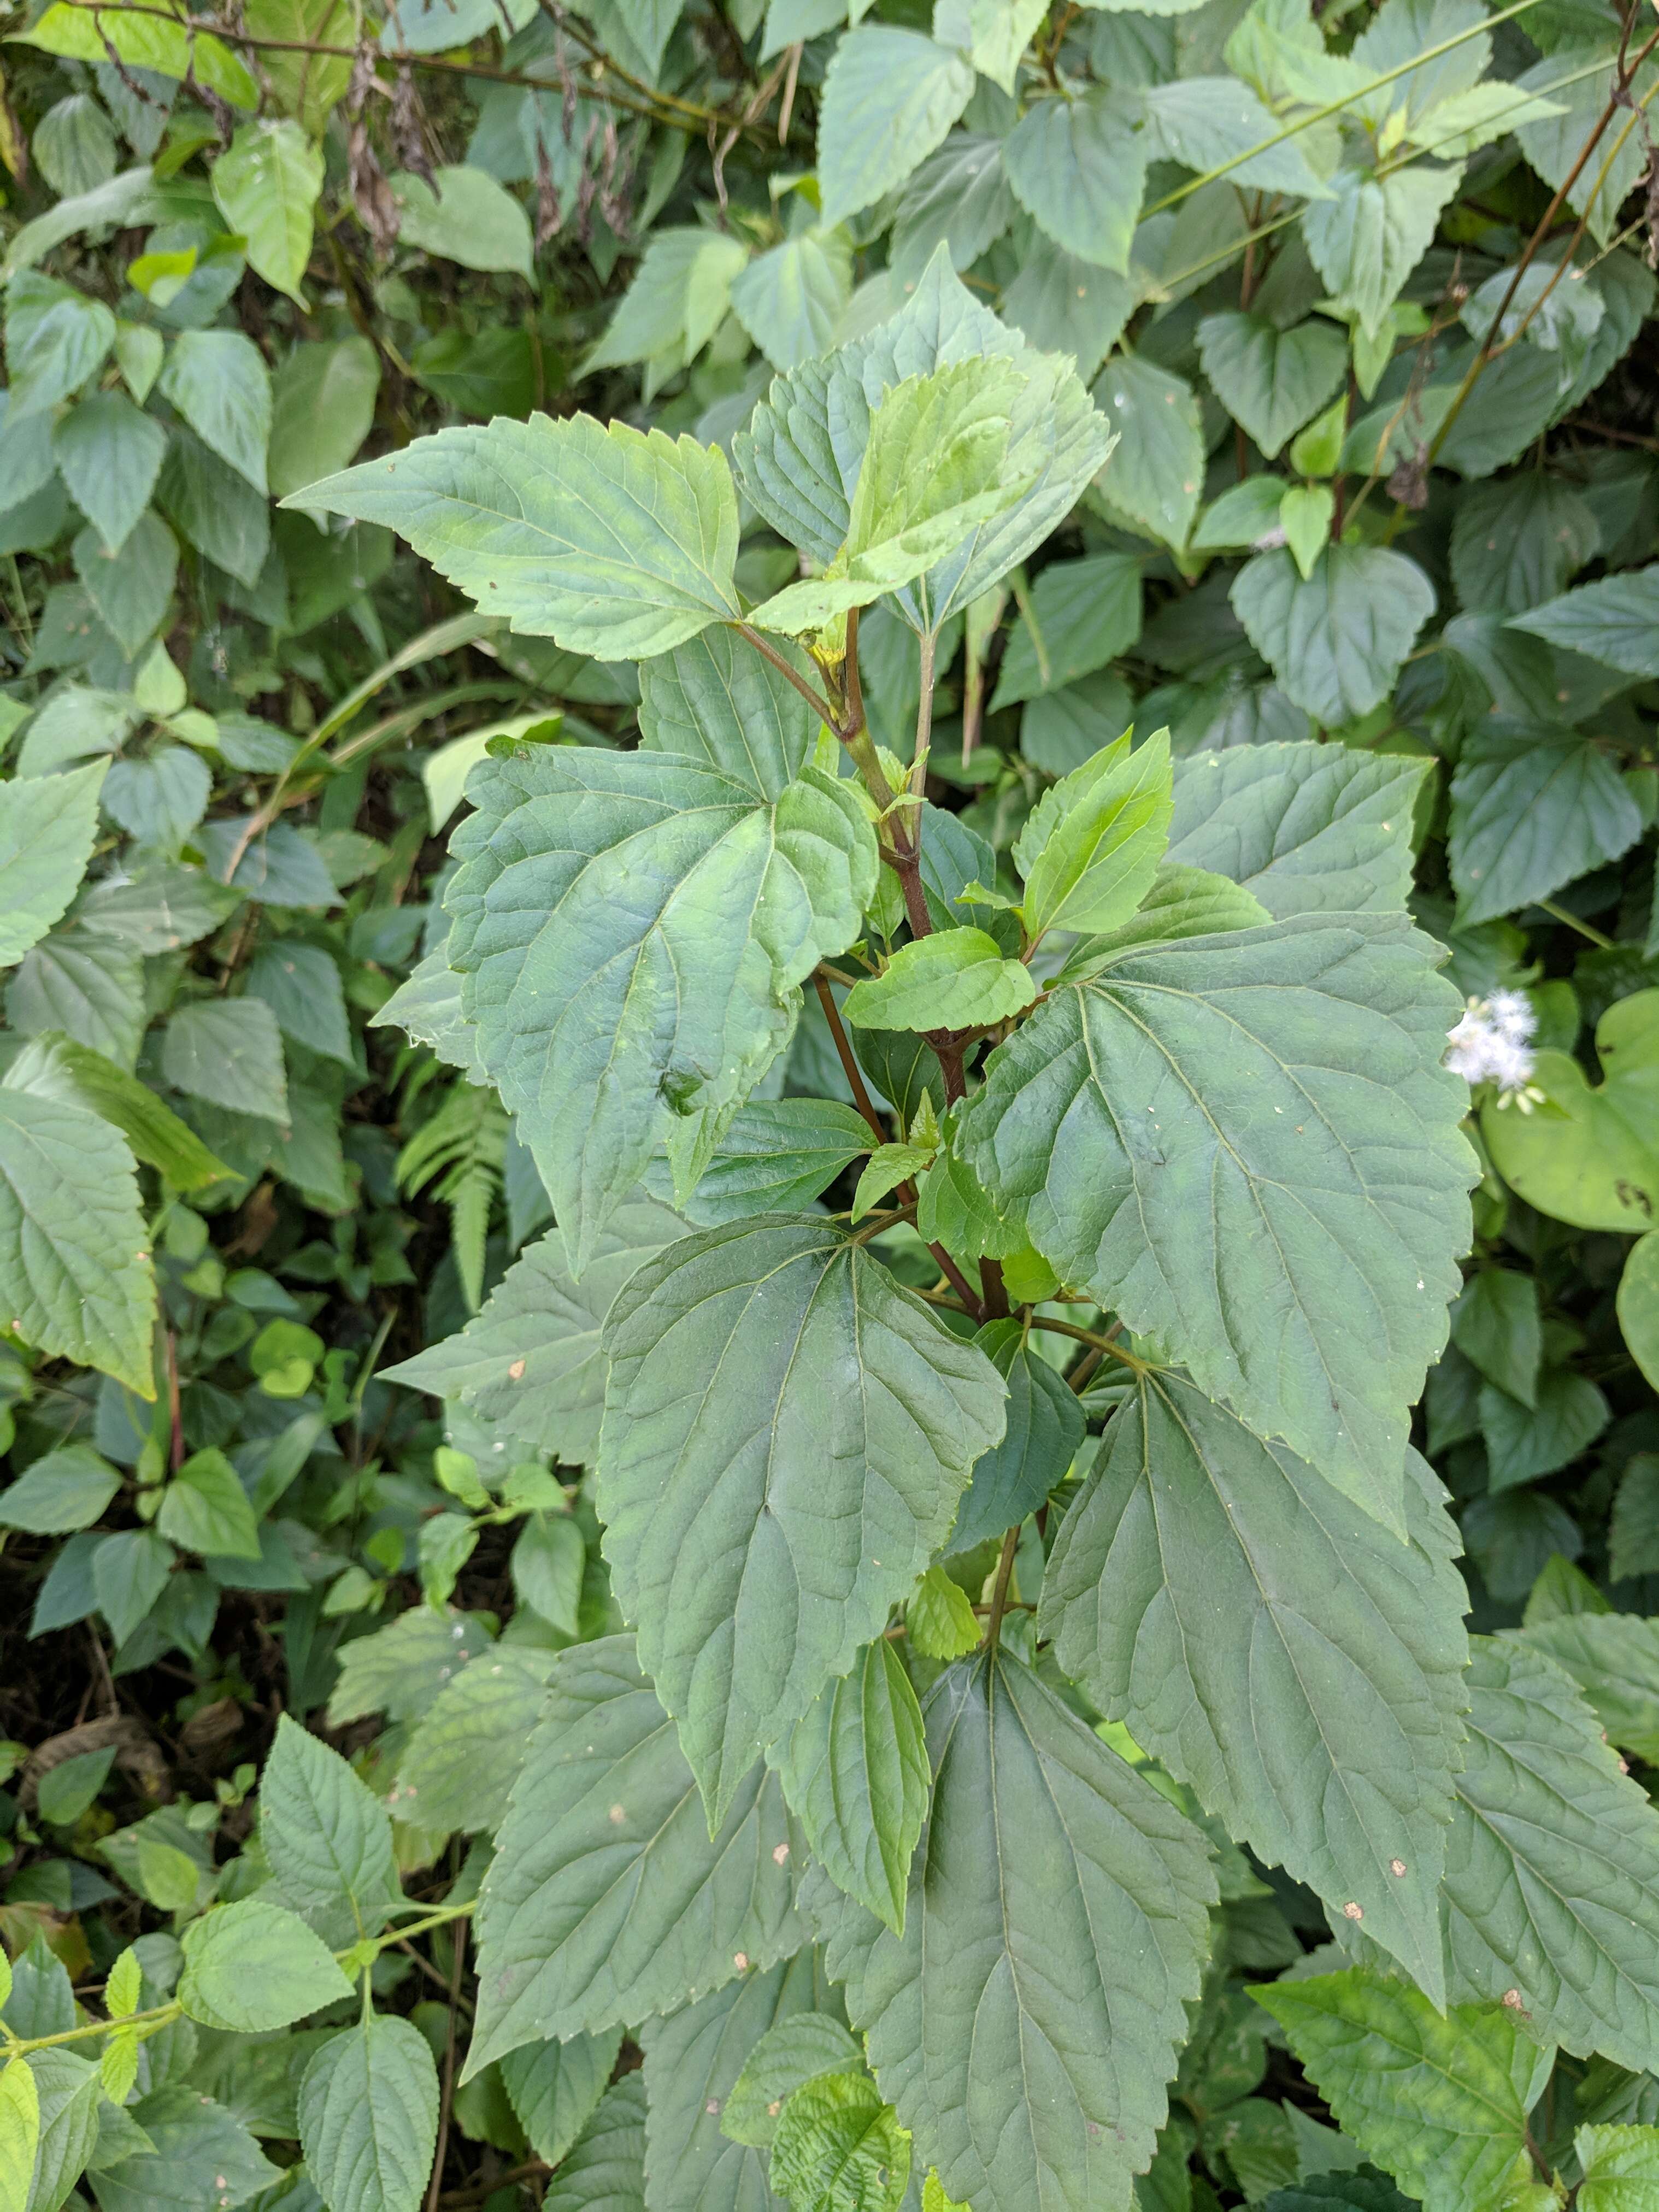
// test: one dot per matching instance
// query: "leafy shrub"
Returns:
(774, 865)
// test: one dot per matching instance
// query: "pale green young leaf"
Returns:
(756, 1578)
(1091, 846)
(368, 2117)
(1620, 2168)
(855, 1771)
(678, 298)
(1305, 826)
(940, 1622)
(604, 2171)
(57, 340)
(1181, 902)
(465, 216)
(251, 1966)
(999, 33)
(554, 2088)
(20, 2134)
(1305, 515)
(151, 42)
(952, 979)
(839, 2147)
(266, 183)
(52, 1065)
(1336, 639)
(328, 1840)
(888, 1166)
(1021, 2087)
(1440, 2101)
(205, 1509)
(650, 980)
(607, 1900)
(75, 1275)
(791, 300)
(617, 543)
(48, 826)
(1077, 164)
(110, 455)
(1591, 1157)
(1202, 121)
(1293, 1230)
(786, 2058)
(1318, 1658)
(889, 96)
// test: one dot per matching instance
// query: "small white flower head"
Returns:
(1492, 1044)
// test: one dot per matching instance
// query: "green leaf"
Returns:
(1336, 640)
(194, 2152)
(953, 979)
(1181, 902)
(368, 2117)
(1025, 2085)
(52, 1065)
(888, 98)
(130, 590)
(1091, 845)
(940, 1621)
(548, 1564)
(1305, 826)
(1614, 1657)
(791, 300)
(68, 1488)
(789, 2055)
(1523, 1443)
(529, 1365)
(855, 1774)
(328, 1841)
(606, 2170)
(1297, 1665)
(554, 2087)
(756, 1576)
(205, 1509)
(130, 1571)
(70, 2097)
(464, 216)
(253, 1966)
(322, 407)
(57, 339)
(20, 2134)
(219, 512)
(48, 826)
(1638, 1310)
(839, 2149)
(75, 1278)
(1612, 622)
(1044, 1433)
(266, 183)
(1081, 614)
(617, 543)
(715, 699)
(89, 987)
(218, 381)
(693, 2060)
(1589, 1156)
(1367, 238)
(1441, 2101)
(1620, 2168)
(776, 1156)
(1077, 165)
(148, 42)
(462, 1755)
(1550, 1863)
(607, 1900)
(110, 456)
(1633, 1538)
(1516, 542)
(301, 984)
(1270, 380)
(1495, 1324)
(229, 1052)
(1533, 806)
(1156, 472)
(1202, 121)
(1297, 1248)
(677, 302)
(642, 873)
(887, 1167)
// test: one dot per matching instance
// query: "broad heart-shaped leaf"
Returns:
(953, 979)
(1533, 806)
(1591, 1154)
(692, 2062)
(1044, 1432)
(776, 1156)
(715, 698)
(1305, 826)
(1297, 1665)
(328, 1840)
(1270, 380)
(1026, 2023)
(1077, 165)
(889, 96)
(936, 464)
(368, 2117)
(75, 1275)
(855, 1774)
(48, 826)
(1336, 640)
(617, 543)
(1615, 621)
(1369, 236)
(1090, 847)
(1552, 1884)
(606, 1900)
(760, 1525)
(1247, 1144)
(630, 928)
(1441, 2101)
(799, 459)
(529, 1365)
(555, 2087)
(251, 1966)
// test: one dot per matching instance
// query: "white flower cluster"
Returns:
(1493, 1043)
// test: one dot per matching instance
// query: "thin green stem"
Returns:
(1000, 1592)
(1585, 929)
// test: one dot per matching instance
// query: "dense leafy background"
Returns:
(303, 1398)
